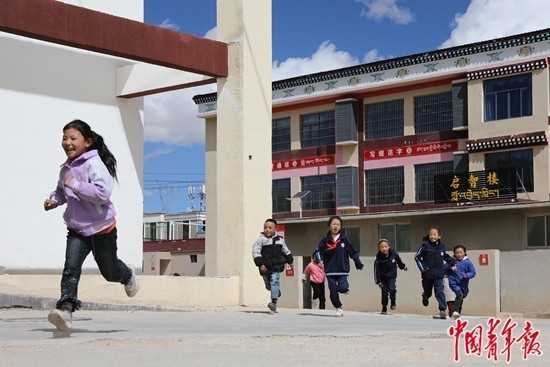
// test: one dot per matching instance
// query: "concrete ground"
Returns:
(242, 337)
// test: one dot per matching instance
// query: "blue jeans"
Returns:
(104, 249)
(271, 280)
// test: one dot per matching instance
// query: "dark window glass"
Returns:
(280, 134)
(317, 129)
(385, 186)
(508, 97)
(280, 192)
(322, 191)
(384, 119)
(521, 160)
(433, 112)
(424, 178)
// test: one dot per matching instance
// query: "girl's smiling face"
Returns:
(74, 144)
(434, 235)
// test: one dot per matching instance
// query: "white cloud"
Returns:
(380, 9)
(171, 117)
(489, 19)
(169, 24)
(327, 57)
(372, 56)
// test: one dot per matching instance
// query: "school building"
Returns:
(454, 138)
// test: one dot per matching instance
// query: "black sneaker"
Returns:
(393, 305)
(384, 311)
(272, 307)
(425, 302)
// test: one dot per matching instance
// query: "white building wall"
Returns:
(42, 87)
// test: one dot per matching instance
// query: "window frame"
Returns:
(279, 199)
(545, 231)
(316, 200)
(381, 115)
(392, 191)
(318, 129)
(424, 191)
(433, 112)
(520, 97)
(395, 242)
(280, 135)
(530, 185)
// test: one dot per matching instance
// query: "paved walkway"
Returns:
(246, 337)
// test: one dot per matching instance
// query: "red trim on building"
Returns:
(189, 245)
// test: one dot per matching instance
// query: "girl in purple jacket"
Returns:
(86, 181)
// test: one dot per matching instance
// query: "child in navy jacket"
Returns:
(385, 273)
(430, 259)
(333, 252)
(459, 278)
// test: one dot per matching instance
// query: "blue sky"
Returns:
(309, 36)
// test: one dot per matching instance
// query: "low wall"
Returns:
(511, 283)
(484, 297)
(524, 282)
(155, 291)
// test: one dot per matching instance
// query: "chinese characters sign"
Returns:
(481, 340)
(325, 160)
(410, 150)
(475, 186)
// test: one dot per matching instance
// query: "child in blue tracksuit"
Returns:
(459, 278)
(333, 253)
(385, 273)
(430, 259)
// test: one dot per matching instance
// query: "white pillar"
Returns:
(238, 172)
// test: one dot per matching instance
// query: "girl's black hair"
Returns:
(97, 143)
(460, 246)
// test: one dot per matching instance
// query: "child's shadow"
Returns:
(316, 314)
(57, 334)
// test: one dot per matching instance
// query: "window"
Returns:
(180, 230)
(150, 231)
(280, 191)
(424, 178)
(508, 97)
(433, 112)
(385, 186)
(317, 129)
(538, 231)
(280, 134)
(193, 258)
(399, 235)
(521, 160)
(321, 192)
(384, 119)
(353, 235)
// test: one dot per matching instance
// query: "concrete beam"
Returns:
(75, 26)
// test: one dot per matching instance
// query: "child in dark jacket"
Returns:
(333, 252)
(385, 273)
(459, 278)
(430, 259)
(270, 255)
